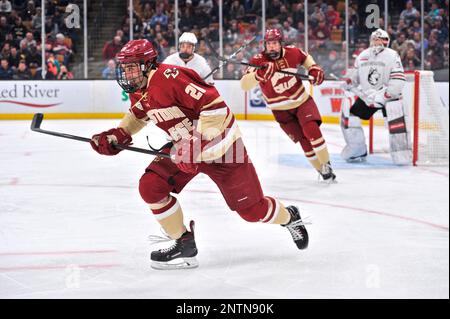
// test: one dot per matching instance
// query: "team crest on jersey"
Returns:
(139, 106)
(283, 82)
(374, 76)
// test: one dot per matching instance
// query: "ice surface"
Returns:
(73, 225)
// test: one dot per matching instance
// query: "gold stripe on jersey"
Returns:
(218, 150)
(309, 62)
(215, 102)
(289, 105)
(214, 124)
(150, 75)
(132, 124)
(283, 97)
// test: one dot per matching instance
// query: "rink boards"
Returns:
(84, 99)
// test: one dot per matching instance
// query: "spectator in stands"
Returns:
(6, 72)
(236, 11)
(112, 48)
(64, 74)
(61, 49)
(160, 18)
(147, 12)
(5, 6)
(33, 55)
(170, 35)
(441, 30)
(274, 8)
(19, 30)
(435, 54)
(53, 68)
(14, 57)
(332, 17)
(298, 12)
(411, 61)
(5, 50)
(284, 14)
(22, 72)
(316, 16)
(402, 27)
(410, 13)
(321, 33)
(35, 72)
(29, 11)
(109, 73)
(289, 33)
(122, 35)
(36, 21)
(399, 44)
(231, 72)
(28, 41)
(5, 28)
(186, 20)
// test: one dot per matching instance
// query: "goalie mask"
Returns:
(185, 52)
(134, 61)
(379, 40)
(273, 35)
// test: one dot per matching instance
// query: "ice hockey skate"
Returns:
(297, 228)
(181, 255)
(326, 174)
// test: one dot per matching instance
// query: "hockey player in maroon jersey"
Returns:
(285, 95)
(206, 140)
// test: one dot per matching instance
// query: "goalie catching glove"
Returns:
(103, 143)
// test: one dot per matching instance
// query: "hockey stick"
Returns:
(36, 127)
(229, 60)
(225, 61)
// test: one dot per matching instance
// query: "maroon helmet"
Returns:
(133, 62)
(273, 35)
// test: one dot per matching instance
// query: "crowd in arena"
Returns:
(21, 45)
(20, 22)
(326, 29)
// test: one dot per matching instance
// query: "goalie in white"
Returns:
(187, 57)
(378, 80)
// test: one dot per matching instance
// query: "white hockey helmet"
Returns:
(379, 34)
(188, 37)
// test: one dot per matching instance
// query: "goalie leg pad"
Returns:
(355, 148)
(399, 132)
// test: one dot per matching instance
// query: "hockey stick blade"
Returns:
(36, 122)
(36, 127)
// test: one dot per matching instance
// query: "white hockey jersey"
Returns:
(378, 74)
(198, 64)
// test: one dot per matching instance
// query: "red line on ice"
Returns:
(68, 252)
(362, 210)
(50, 267)
(367, 211)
